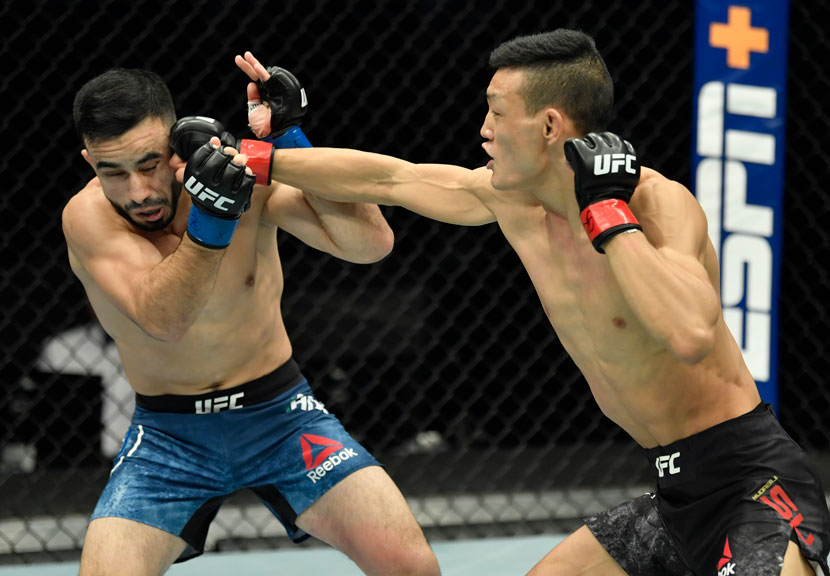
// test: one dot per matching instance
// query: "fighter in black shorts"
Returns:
(728, 501)
(629, 279)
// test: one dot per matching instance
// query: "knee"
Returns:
(422, 562)
(418, 560)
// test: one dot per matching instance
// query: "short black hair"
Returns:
(118, 100)
(563, 68)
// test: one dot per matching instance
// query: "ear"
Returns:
(85, 154)
(553, 125)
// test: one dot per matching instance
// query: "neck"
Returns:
(556, 192)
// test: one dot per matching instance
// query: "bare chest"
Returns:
(578, 291)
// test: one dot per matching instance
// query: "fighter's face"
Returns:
(513, 135)
(136, 174)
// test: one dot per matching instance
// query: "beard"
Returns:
(175, 192)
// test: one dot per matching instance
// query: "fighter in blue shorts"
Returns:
(184, 455)
(188, 285)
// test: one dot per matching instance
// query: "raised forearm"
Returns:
(173, 294)
(675, 303)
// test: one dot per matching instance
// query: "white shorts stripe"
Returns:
(132, 450)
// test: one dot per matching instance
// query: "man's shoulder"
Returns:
(654, 187)
(88, 213)
(650, 178)
(84, 199)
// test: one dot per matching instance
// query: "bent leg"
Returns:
(366, 517)
(127, 548)
(629, 539)
(580, 554)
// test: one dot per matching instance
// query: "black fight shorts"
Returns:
(728, 501)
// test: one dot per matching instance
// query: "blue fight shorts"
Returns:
(184, 455)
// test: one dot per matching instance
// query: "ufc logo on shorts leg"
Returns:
(605, 163)
(667, 462)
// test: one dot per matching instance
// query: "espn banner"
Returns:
(738, 165)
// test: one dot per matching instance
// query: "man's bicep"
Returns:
(288, 209)
(442, 192)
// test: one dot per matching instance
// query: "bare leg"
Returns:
(795, 564)
(366, 517)
(580, 554)
(127, 548)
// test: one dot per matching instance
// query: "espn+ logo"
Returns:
(740, 231)
(611, 163)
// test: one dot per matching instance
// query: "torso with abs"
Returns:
(238, 336)
(636, 382)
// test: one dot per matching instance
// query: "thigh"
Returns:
(127, 548)
(761, 549)
(366, 517)
(167, 482)
(634, 535)
(795, 564)
(580, 554)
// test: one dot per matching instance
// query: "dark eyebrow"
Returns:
(147, 157)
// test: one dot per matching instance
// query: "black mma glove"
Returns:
(606, 172)
(287, 101)
(191, 132)
(220, 191)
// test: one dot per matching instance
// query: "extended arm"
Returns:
(446, 193)
(442, 192)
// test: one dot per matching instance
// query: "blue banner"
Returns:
(738, 165)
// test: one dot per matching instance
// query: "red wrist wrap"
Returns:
(259, 158)
(606, 214)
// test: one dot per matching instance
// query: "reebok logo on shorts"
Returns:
(725, 566)
(321, 455)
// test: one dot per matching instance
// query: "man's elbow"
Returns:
(381, 246)
(693, 345)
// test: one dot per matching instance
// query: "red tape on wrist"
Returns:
(606, 214)
(259, 158)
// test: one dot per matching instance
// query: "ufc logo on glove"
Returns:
(205, 194)
(611, 163)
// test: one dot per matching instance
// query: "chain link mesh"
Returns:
(438, 359)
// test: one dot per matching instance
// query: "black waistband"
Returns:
(256, 391)
(725, 451)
